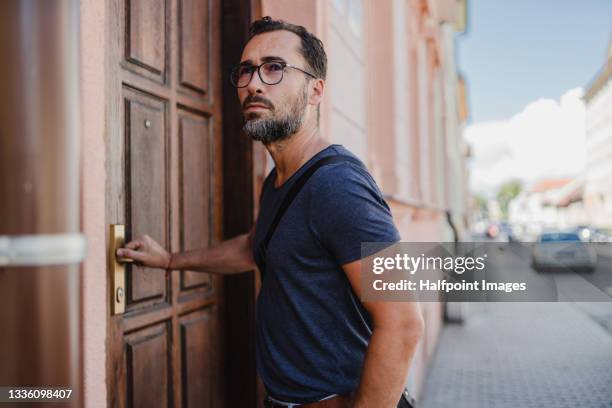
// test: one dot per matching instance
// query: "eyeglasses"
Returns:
(270, 73)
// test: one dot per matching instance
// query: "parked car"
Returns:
(585, 232)
(562, 250)
(601, 235)
(593, 234)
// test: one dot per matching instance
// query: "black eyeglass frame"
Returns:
(257, 68)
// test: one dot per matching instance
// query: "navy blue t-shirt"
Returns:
(312, 331)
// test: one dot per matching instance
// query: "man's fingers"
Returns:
(134, 244)
(129, 253)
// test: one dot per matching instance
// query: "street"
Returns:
(512, 262)
(522, 355)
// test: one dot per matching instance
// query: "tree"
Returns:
(507, 192)
(480, 204)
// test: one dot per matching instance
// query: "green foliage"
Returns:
(506, 193)
(480, 203)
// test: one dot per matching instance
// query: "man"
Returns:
(317, 344)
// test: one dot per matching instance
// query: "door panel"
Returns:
(195, 160)
(147, 367)
(197, 359)
(145, 25)
(194, 33)
(164, 161)
(146, 191)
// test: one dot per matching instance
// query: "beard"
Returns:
(278, 127)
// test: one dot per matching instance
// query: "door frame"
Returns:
(241, 389)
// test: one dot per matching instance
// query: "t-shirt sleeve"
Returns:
(346, 209)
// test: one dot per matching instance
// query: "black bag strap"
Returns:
(293, 192)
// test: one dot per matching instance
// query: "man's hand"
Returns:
(147, 252)
(230, 256)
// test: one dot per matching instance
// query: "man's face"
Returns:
(274, 112)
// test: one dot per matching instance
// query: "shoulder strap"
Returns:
(263, 185)
(293, 192)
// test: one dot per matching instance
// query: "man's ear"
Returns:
(317, 86)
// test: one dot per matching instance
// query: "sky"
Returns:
(527, 64)
(545, 140)
(517, 51)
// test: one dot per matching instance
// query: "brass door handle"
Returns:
(117, 267)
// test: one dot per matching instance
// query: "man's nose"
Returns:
(256, 85)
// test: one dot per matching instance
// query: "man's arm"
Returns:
(398, 327)
(228, 257)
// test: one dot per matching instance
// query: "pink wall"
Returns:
(94, 290)
(302, 12)
(345, 104)
(381, 88)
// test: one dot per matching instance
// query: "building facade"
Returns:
(598, 179)
(157, 126)
(546, 205)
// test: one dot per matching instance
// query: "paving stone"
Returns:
(523, 355)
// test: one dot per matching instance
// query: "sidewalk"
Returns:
(521, 355)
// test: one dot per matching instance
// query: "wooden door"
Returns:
(164, 178)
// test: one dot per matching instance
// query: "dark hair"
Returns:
(312, 48)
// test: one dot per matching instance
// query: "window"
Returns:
(340, 5)
(355, 17)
